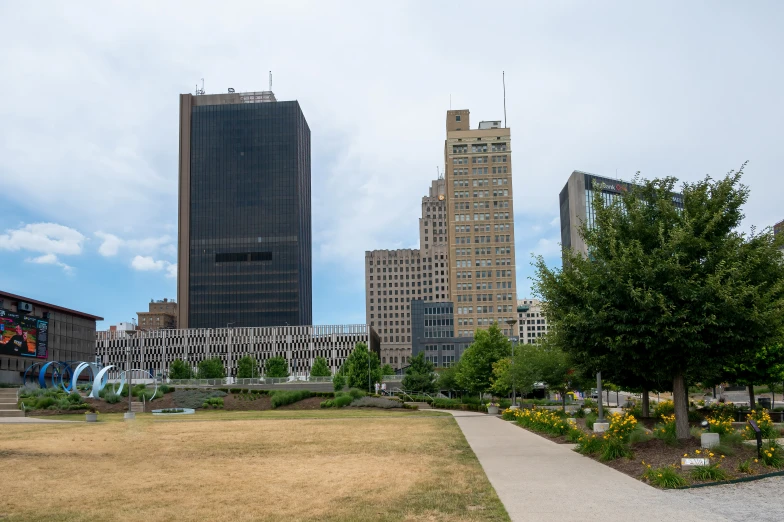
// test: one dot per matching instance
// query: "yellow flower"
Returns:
(685, 454)
(722, 456)
(710, 454)
(697, 452)
(755, 461)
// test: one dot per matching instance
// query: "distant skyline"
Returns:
(89, 122)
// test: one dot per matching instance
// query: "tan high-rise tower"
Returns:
(481, 223)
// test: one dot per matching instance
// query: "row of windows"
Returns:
(483, 251)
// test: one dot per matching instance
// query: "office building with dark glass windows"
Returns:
(244, 255)
(576, 204)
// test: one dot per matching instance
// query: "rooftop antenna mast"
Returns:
(270, 81)
(200, 91)
(503, 80)
(438, 170)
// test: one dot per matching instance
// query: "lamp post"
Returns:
(129, 415)
(511, 323)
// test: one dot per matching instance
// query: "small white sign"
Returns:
(692, 463)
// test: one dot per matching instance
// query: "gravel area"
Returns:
(755, 501)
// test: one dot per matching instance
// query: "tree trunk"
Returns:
(646, 403)
(617, 400)
(679, 398)
(563, 401)
(752, 403)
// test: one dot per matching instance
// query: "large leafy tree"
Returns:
(665, 291)
(211, 369)
(179, 369)
(475, 368)
(420, 375)
(387, 370)
(247, 367)
(361, 368)
(320, 368)
(276, 367)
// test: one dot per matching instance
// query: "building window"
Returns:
(457, 117)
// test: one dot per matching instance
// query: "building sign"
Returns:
(23, 335)
(605, 185)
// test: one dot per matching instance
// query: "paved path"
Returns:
(538, 480)
(30, 420)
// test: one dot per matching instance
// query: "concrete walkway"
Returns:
(538, 480)
(31, 420)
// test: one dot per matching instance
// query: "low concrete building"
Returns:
(33, 331)
(154, 350)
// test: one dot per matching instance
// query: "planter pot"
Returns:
(492, 410)
(91, 417)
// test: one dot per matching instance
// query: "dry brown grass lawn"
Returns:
(348, 469)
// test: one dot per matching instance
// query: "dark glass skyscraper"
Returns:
(244, 212)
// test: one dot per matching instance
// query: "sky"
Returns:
(89, 121)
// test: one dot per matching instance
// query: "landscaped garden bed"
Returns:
(654, 455)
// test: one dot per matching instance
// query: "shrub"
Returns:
(731, 439)
(44, 402)
(194, 398)
(720, 423)
(63, 403)
(283, 398)
(664, 477)
(580, 413)
(574, 435)
(588, 444)
(745, 467)
(338, 382)
(622, 426)
(30, 390)
(551, 422)
(111, 397)
(664, 409)
(165, 388)
(590, 419)
(343, 400)
(709, 472)
(772, 454)
(666, 431)
(213, 402)
(613, 448)
(374, 402)
(762, 418)
(356, 393)
(639, 435)
(588, 403)
(507, 415)
(327, 403)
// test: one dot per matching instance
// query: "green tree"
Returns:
(179, 369)
(276, 367)
(475, 368)
(247, 367)
(355, 368)
(447, 379)
(320, 368)
(420, 375)
(338, 381)
(387, 370)
(665, 291)
(211, 369)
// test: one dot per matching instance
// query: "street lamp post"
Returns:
(511, 323)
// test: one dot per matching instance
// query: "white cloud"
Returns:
(148, 264)
(50, 259)
(547, 247)
(47, 238)
(110, 245)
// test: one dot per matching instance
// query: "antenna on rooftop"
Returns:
(200, 91)
(270, 81)
(503, 80)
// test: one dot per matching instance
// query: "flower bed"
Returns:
(655, 456)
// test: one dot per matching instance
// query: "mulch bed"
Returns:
(658, 454)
